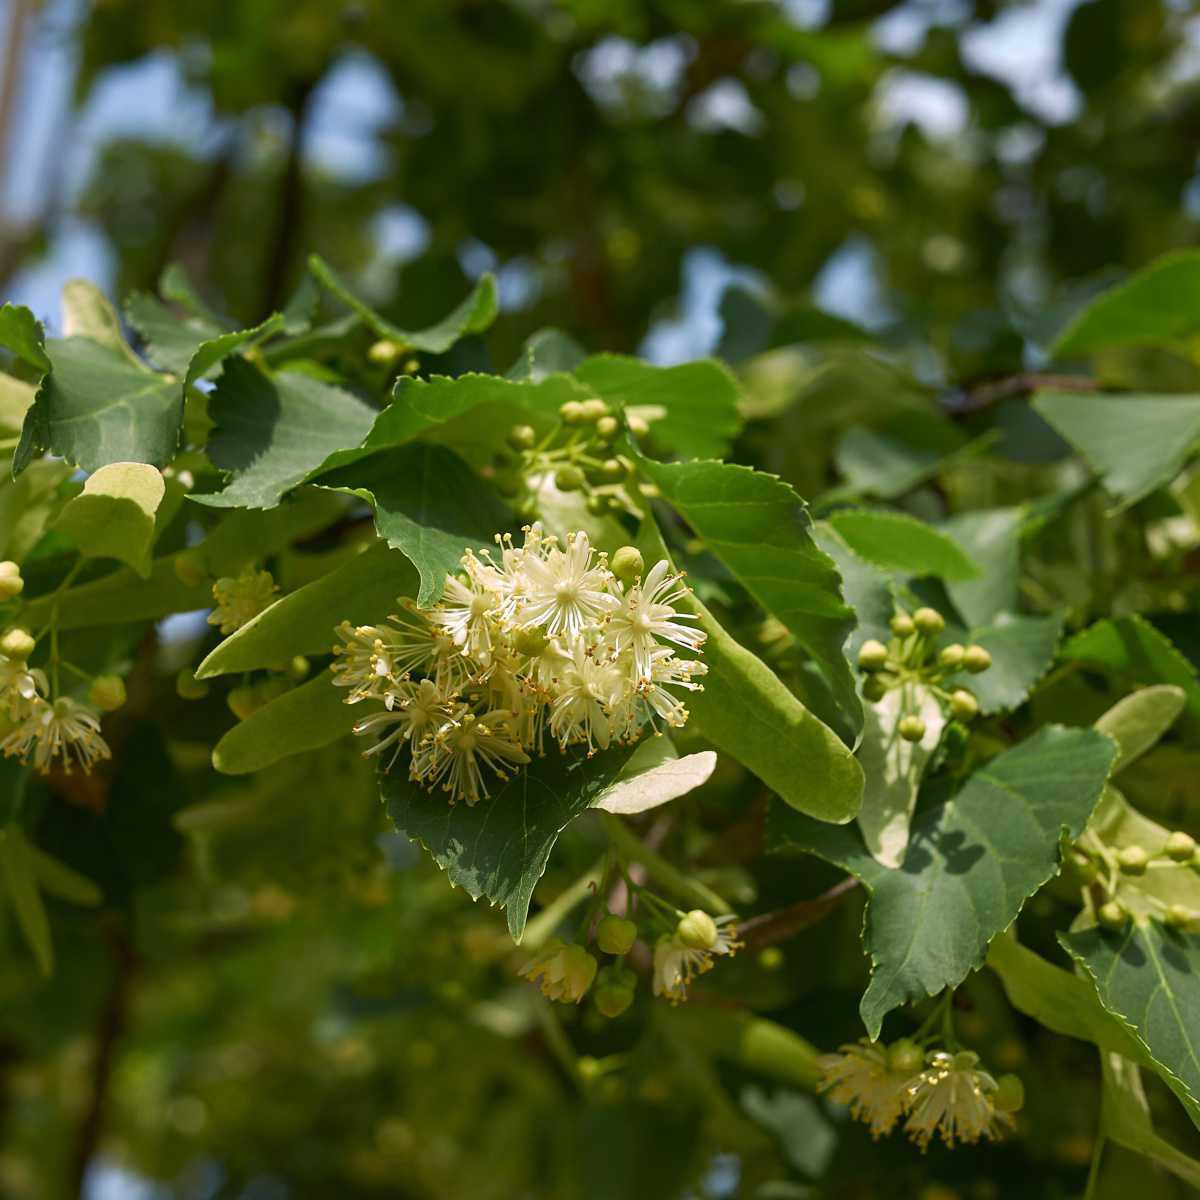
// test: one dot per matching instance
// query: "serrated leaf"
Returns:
(87, 313)
(1125, 1119)
(21, 332)
(273, 430)
(692, 409)
(428, 504)
(892, 767)
(1157, 306)
(1136, 444)
(473, 315)
(760, 529)
(898, 542)
(362, 590)
(1022, 650)
(746, 710)
(311, 715)
(20, 882)
(1131, 648)
(547, 352)
(654, 776)
(1139, 720)
(499, 847)
(972, 862)
(991, 539)
(97, 407)
(113, 517)
(1148, 976)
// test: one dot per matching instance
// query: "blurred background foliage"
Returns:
(278, 999)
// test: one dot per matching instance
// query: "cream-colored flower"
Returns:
(861, 1077)
(953, 1098)
(668, 671)
(241, 599)
(586, 691)
(418, 711)
(465, 613)
(66, 730)
(20, 688)
(456, 755)
(568, 590)
(646, 617)
(563, 972)
(680, 956)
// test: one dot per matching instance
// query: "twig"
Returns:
(971, 399)
(667, 875)
(768, 929)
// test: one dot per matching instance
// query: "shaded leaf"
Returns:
(20, 882)
(1125, 1118)
(113, 517)
(991, 539)
(21, 332)
(1022, 650)
(898, 542)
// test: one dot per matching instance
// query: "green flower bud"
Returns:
(911, 728)
(17, 643)
(384, 352)
(874, 689)
(964, 705)
(1112, 916)
(569, 479)
(627, 564)
(243, 701)
(951, 657)
(607, 428)
(597, 505)
(522, 437)
(1179, 915)
(929, 620)
(298, 668)
(638, 426)
(572, 412)
(107, 692)
(11, 583)
(614, 991)
(1084, 866)
(902, 625)
(188, 687)
(593, 410)
(905, 1057)
(189, 568)
(615, 935)
(612, 469)
(1009, 1096)
(1180, 846)
(976, 659)
(1132, 860)
(697, 930)
(873, 655)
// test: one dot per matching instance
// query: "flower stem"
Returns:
(540, 928)
(670, 877)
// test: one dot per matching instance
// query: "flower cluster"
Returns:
(241, 598)
(541, 641)
(938, 1093)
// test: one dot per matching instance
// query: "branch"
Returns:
(768, 929)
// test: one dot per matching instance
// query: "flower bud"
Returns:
(384, 352)
(872, 656)
(562, 972)
(1179, 915)
(911, 728)
(905, 1057)
(951, 657)
(964, 705)
(627, 564)
(929, 620)
(522, 437)
(1132, 860)
(568, 478)
(298, 669)
(188, 687)
(189, 568)
(11, 583)
(243, 701)
(607, 428)
(1112, 916)
(1009, 1096)
(615, 935)
(976, 659)
(902, 625)
(638, 426)
(272, 689)
(612, 469)
(107, 692)
(1084, 866)
(572, 412)
(597, 505)
(614, 991)
(17, 643)
(594, 409)
(874, 689)
(1180, 846)
(697, 930)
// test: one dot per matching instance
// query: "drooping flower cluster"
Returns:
(536, 642)
(939, 1093)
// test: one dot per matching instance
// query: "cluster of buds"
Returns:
(1111, 875)
(912, 656)
(11, 582)
(937, 1092)
(576, 456)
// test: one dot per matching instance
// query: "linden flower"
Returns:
(374, 659)
(562, 972)
(19, 688)
(860, 1077)
(666, 669)
(464, 612)
(647, 613)
(567, 591)
(415, 711)
(66, 730)
(240, 600)
(586, 692)
(953, 1098)
(457, 753)
(680, 956)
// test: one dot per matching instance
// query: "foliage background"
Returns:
(302, 1008)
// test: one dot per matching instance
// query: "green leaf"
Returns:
(971, 864)
(1139, 720)
(760, 529)
(21, 332)
(272, 430)
(1022, 650)
(1157, 306)
(1131, 648)
(363, 590)
(20, 881)
(499, 847)
(87, 313)
(654, 776)
(1148, 977)
(57, 879)
(113, 517)
(16, 399)
(1136, 444)
(746, 711)
(98, 407)
(311, 715)
(898, 542)
(692, 409)
(473, 315)
(429, 504)
(991, 539)
(547, 352)
(1125, 1118)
